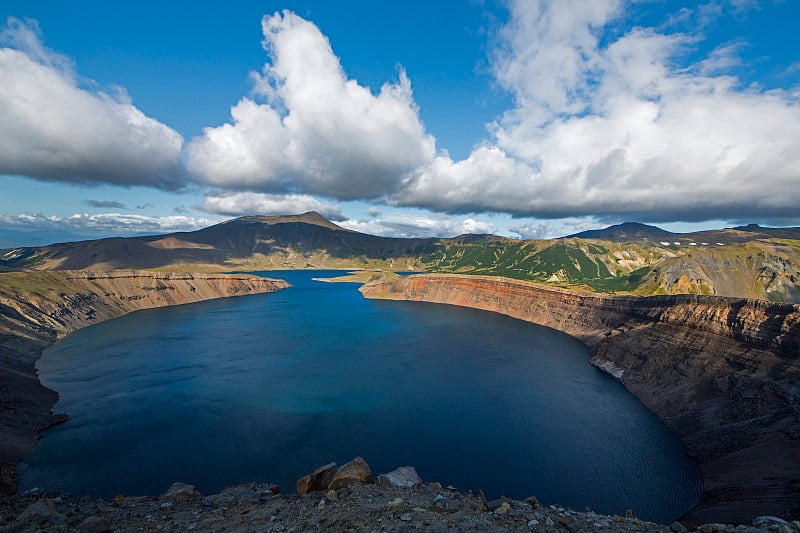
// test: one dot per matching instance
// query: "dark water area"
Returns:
(267, 388)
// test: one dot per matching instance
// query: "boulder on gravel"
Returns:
(356, 471)
(317, 480)
(181, 492)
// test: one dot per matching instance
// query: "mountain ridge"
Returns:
(748, 261)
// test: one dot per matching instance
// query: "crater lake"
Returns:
(267, 388)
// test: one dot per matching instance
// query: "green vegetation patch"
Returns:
(39, 283)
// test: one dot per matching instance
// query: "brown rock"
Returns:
(181, 492)
(356, 471)
(503, 509)
(317, 480)
(533, 500)
(495, 504)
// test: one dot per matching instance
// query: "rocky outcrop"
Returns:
(37, 309)
(355, 507)
(722, 373)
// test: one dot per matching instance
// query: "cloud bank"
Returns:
(105, 223)
(620, 126)
(609, 120)
(249, 203)
(418, 227)
(54, 129)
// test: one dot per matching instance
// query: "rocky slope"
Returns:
(344, 499)
(722, 373)
(36, 309)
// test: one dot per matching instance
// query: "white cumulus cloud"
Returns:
(318, 131)
(250, 203)
(418, 227)
(52, 128)
(620, 125)
(105, 223)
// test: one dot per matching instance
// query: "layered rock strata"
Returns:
(722, 373)
(37, 309)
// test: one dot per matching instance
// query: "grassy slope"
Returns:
(759, 269)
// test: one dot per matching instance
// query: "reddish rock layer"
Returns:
(722, 373)
(37, 309)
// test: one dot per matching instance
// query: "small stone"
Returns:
(677, 527)
(321, 504)
(451, 488)
(405, 517)
(598, 525)
(316, 480)
(503, 509)
(533, 522)
(630, 513)
(167, 505)
(533, 501)
(95, 524)
(397, 502)
(332, 496)
(494, 504)
(274, 489)
(549, 522)
(767, 520)
(192, 525)
(440, 502)
(181, 492)
(404, 477)
(565, 521)
(356, 471)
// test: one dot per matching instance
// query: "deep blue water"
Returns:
(267, 388)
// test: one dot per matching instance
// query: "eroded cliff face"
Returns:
(722, 373)
(36, 309)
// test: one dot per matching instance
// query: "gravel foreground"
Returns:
(339, 500)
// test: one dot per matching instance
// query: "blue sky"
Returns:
(530, 119)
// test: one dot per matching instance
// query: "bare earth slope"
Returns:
(36, 309)
(722, 373)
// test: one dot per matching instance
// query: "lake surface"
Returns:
(269, 387)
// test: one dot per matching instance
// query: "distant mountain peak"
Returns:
(309, 217)
(750, 227)
(626, 230)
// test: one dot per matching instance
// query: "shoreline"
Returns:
(38, 309)
(717, 371)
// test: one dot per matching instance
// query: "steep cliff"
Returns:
(722, 373)
(36, 309)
